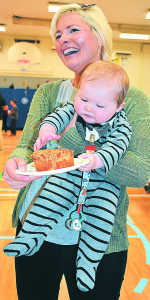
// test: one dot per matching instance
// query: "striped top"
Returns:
(113, 135)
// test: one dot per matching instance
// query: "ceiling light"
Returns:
(54, 6)
(147, 16)
(2, 27)
(134, 36)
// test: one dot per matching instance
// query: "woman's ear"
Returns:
(121, 106)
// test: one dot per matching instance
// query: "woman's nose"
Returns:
(63, 39)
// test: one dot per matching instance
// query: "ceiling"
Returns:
(122, 15)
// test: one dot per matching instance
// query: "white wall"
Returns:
(137, 64)
(145, 69)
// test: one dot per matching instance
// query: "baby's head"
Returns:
(109, 74)
(102, 89)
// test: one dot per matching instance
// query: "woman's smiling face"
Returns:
(75, 43)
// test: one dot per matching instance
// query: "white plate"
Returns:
(31, 170)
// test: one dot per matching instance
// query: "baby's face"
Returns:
(95, 103)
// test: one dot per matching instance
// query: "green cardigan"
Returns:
(132, 170)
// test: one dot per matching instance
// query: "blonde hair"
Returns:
(108, 73)
(95, 19)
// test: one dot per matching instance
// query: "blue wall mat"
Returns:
(24, 98)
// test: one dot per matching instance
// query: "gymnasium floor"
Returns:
(136, 285)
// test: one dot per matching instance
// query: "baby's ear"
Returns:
(121, 106)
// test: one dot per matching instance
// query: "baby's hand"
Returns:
(44, 139)
(95, 162)
(47, 133)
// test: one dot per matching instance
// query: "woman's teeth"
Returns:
(70, 51)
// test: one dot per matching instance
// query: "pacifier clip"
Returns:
(76, 217)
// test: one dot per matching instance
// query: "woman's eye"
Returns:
(74, 30)
(57, 37)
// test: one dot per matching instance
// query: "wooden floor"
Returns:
(136, 285)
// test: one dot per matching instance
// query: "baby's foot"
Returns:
(85, 276)
(22, 246)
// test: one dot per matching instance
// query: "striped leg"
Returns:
(99, 211)
(58, 196)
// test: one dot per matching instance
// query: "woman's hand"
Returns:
(13, 179)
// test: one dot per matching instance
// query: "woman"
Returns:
(82, 35)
